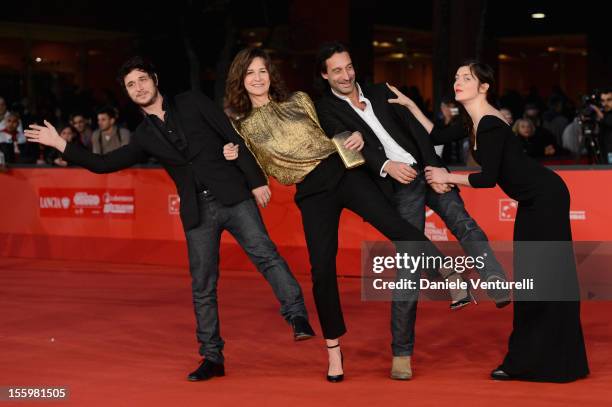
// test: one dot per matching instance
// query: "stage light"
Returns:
(38, 59)
(538, 16)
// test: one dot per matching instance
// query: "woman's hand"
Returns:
(45, 135)
(230, 151)
(437, 175)
(354, 142)
(401, 99)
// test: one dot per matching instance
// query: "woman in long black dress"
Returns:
(546, 343)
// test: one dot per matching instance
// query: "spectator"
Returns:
(52, 156)
(513, 101)
(455, 152)
(108, 136)
(554, 121)
(533, 98)
(573, 139)
(12, 142)
(604, 117)
(4, 113)
(541, 135)
(507, 115)
(533, 145)
(81, 125)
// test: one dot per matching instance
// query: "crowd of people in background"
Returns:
(101, 136)
(556, 131)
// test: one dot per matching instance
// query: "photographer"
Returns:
(454, 152)
(604, 118)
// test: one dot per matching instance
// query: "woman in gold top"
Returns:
(283, 132)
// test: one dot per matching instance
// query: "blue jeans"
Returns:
(410, 201)
(244, 222)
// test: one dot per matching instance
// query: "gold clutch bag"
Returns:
(350, 158)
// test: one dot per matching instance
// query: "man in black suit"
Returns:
(186, 135)
(397, 149)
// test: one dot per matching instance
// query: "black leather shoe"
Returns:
(207, 370)
(465, 301)
(499, 374)
(301, 329)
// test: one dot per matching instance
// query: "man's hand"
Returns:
(354, 142)
(230, 151)
(598, 112)
(262, 195)
(401, 172)
(440, 188)
(45, 135)
(436, 175)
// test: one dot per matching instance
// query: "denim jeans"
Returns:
(244, 222)
(410, 200)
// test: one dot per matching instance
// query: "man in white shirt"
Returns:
(397, 149)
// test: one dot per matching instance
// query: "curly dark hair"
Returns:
(237, 100)
(139, 63)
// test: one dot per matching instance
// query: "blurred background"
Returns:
(58, 60)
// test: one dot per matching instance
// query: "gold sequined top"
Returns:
(286, 138)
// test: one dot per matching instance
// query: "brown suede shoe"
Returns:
(400, 369)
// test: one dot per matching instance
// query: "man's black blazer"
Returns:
(206, 129)
(336, 115)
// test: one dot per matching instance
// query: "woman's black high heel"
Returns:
(336, 378)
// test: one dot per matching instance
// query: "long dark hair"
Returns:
(484, 74)
(237, 99)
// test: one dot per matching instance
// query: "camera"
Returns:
(589, 127)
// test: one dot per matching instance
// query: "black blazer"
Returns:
(206, 129)
(336, 116)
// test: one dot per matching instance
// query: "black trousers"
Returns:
(321, 216)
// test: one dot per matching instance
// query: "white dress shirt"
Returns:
(393, 151)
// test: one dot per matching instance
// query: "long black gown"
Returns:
(546, 343)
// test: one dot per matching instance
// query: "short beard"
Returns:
(150, 101)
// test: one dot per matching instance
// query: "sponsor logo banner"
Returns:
(86, 202)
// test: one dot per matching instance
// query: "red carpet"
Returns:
(123, 335)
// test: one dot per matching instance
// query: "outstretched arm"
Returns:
(409, 104)
(490, 147)
(437, 175)
(119, 159)
(46, 135)
(438, 135)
